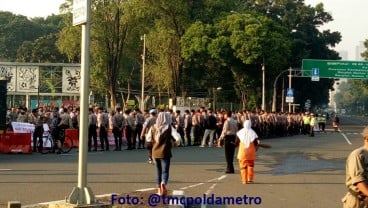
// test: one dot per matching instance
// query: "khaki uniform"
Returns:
(356, 171)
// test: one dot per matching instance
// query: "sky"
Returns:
(31, 8)
(349, 17)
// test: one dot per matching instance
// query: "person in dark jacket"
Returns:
(210, 125)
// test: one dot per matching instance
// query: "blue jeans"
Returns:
(162, 170)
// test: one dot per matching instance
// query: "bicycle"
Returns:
(61, 146)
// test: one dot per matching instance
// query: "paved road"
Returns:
(299, 171)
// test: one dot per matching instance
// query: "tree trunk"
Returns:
(244, 99)
(112, 92)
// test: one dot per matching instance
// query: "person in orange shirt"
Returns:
(248, 146)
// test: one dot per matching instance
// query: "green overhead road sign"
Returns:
(335, 69)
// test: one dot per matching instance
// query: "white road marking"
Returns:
(146, 189)
(208, 181)
(217, 179)
(5, 169)
(42, 203)
(346, 138)
(210, 189)
(140, 190)
(192, 186)
(105, 195)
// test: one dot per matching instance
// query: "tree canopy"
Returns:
(192, 46)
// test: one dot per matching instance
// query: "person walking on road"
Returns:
(357, 176)
(210, 129)
(161, 151)
(228, 135)
(148, 123)
(247, 152)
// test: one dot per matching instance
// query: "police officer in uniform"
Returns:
(102, 124)
(117, 128)
(92, 127)
(357, 176)
(37, 119)
(228, 136)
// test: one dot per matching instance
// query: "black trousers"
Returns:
(188, 139)
(229, 144)
(137, 133)
(103, 138)
(196, 134)
(37, 137)
(306, 129)
(92, 134)
(118, 136)
(129, 137)
(322, 126)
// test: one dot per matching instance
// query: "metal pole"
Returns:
(83, 194)
(38, 95)
(290, 87)
(274, 90)
(283, 95)
(274, 96)
(143, 65)
(82, 176)
(214, 99)
(263, 86)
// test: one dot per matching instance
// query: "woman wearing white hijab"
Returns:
(161, 150)
(247, 152)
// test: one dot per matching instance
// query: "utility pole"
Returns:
(290, 87)
(143, 66)
(263, 86)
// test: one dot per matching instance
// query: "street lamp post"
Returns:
(290, 87)
(215, 97)
(274, 90)
(263, 86)
(143, 66)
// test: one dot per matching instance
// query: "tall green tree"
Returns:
(308, 42)
(242, 42)
(365, 52)
(14, 30)
(110, 37)
(170, 19)
(352, 96)
(42, 50)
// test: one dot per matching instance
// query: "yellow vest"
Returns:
(313, 121)
(306, 120)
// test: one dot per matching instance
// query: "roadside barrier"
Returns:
(11, 142)
(74, 135)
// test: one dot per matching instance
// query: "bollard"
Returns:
(14, 204)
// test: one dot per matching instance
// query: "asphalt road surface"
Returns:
(298, 171)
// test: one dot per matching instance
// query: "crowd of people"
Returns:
(154, 130)
(201, 127)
